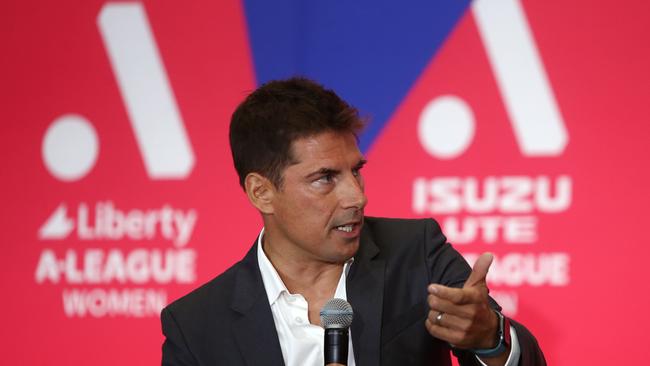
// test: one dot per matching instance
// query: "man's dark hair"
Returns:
(265, 124)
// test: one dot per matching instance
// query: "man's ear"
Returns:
(260, 192)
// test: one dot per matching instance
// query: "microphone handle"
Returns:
(336, 346)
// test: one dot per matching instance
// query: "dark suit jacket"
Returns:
(228, 321)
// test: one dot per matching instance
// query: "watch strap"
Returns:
(503, 339)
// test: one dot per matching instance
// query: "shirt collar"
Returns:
(272, 282)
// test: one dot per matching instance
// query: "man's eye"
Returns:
(327, 178)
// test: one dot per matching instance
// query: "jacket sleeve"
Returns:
(174, 350)
(531, 353)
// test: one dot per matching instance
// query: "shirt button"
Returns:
(298, 320)
(291, 299)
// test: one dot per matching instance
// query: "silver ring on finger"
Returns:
(439, 318)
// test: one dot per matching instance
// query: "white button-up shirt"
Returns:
(302, 343)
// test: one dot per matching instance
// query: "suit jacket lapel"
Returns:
(365, 292)
(254, 330)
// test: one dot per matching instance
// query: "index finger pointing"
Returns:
(480, 270)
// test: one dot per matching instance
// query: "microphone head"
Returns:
(336, 313)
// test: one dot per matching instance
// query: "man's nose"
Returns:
(353, 195)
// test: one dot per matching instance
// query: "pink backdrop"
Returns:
(100, 228)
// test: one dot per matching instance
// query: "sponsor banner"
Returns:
(119, 178)
(520, 126)
(513, 139)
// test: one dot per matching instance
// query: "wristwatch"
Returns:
(503, 340)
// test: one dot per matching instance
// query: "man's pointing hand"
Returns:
(463, 317)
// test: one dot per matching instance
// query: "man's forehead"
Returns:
(326, 146)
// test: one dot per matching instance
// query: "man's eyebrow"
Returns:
(330, 171)
(323, 171)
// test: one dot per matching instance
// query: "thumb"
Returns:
(480, 270)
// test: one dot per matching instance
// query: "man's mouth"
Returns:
(350, 228)
(347, 228)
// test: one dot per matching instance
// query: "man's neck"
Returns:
(311, 278)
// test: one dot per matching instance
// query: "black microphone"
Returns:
(336, 317)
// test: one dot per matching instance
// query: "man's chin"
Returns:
(346, 252)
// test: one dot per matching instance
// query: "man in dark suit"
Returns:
(294, 147)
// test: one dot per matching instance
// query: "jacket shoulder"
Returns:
(385, 231)
(213, 296)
